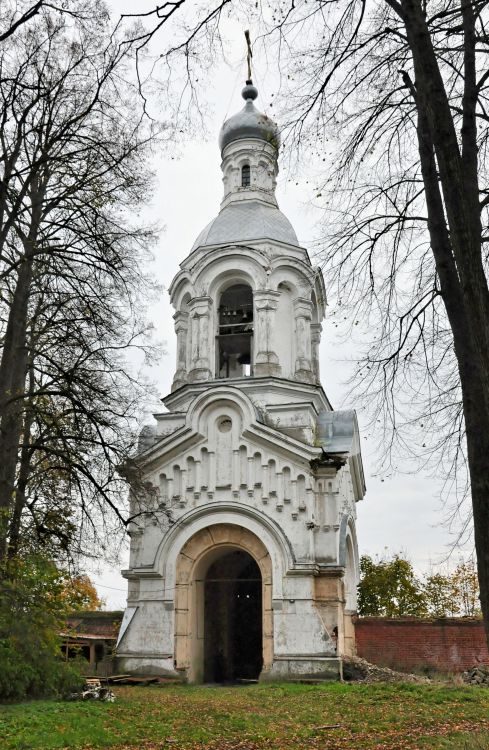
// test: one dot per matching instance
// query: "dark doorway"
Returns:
(233, 619)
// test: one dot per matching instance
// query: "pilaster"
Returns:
(266, 359)
(303, 314)
(316, 329)
(199, 313)
(181, 329)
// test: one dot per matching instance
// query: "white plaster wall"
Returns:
(150, 631)
(299, 630)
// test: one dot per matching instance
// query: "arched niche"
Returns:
(315, 335)
(348, 559)
(314, 311)
(350, 578)
(234, 349)
(180, 287)
(294, 273)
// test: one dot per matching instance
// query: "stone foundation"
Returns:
(304, 667)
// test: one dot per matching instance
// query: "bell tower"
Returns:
(255, 309)
(246, 565)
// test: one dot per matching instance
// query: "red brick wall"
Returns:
(450, 645)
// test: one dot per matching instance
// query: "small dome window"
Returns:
(245, 176)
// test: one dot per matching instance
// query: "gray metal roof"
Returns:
(244, 221)
(249, 123)
(338, 432)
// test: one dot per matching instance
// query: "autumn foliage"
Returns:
(79, 594)
(389, 587)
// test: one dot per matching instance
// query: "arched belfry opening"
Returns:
(235, 332)
(233, 649)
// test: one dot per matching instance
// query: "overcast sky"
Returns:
(402, 512)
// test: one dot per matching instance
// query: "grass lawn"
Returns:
(278, 716)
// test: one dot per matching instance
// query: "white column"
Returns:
(316, 329)
(202, 347)
(194, 339)
(250, 476)
(198, 477)
(280, 490)
(303, 311)
(211, 486)
(294, 503)
(264, 482)
(183, 488)
(236, 472)
(265, 358)
(181, 329)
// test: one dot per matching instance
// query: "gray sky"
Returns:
(401, 512)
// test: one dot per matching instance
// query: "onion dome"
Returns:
(247, 221)
(249, 123)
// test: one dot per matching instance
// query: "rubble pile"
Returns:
(93, 691)
(478, 675)
(356, 669)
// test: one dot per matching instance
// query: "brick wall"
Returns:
(450, 645)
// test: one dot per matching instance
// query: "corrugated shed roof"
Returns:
(101, 624)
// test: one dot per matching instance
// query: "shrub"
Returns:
(32, 612)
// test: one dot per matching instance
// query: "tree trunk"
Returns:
(22, 480)
(12, 388)
(456, 245)
(13, 366)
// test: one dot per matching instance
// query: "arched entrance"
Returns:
(233, 618)
(220, 636)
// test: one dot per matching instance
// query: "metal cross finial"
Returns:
(249, 54)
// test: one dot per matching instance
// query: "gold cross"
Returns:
(249, 53)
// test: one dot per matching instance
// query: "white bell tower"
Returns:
(254, 310)
(247, 566)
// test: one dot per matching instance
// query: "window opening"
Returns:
(235, 332)
(224, 425)
(245, 176)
